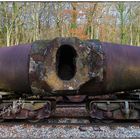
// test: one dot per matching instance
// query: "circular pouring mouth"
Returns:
(66, 62)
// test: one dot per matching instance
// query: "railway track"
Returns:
(69, 122)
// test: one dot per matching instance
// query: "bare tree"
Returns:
(23, 22)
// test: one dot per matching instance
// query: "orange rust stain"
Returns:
(133, 70)
(53, 81)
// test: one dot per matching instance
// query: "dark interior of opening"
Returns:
(66, 62)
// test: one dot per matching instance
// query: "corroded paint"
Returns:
(101, 68)
(43, 72)
(81, 65)
(120, 109)
(120, 70)
(34, 110)
(37, 68)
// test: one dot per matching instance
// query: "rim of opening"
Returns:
(66, 62)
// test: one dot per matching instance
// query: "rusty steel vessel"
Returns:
(36, 77)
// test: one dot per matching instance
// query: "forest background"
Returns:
(25, 22)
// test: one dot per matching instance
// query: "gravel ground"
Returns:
(22, 129)
(27, 130)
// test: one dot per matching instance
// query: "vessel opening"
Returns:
(66, 62)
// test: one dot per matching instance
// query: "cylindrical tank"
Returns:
(122, 67)
(69, 66)
(14, 67)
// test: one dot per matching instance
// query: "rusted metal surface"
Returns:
(77, 98)
(120, 109)
(81, 75)
(96, 109)
(71, 111)
(43, 71)
(46, 75)
(14, 66)
(37, 68)
(121, 70)
(69, 66)
(32, 110)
